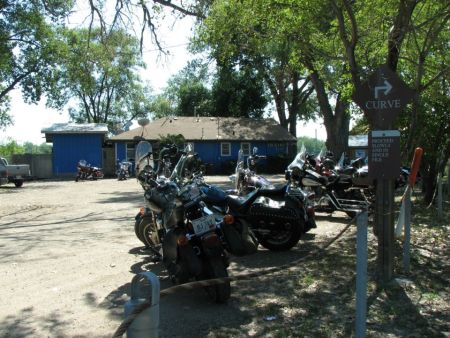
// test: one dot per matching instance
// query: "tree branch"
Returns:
(179, 9)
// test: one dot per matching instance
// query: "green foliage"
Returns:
(239, 93)
(169, 139)
(28, 48)
(101, 73)
(11, 147)
(186, 92)
(235, 92)
(312, 145)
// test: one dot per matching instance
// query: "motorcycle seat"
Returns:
(241, 202)
(278, 191)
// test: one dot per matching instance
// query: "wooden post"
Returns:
(385, 226)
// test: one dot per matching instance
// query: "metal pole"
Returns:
(407, 238)
(361, 275)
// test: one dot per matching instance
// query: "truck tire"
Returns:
(18, 183)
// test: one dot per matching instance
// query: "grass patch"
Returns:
(317, 298)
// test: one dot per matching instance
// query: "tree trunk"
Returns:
(294, 106)
(279, 98)
(337, 124)
(398, 31)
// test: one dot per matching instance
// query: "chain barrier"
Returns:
(197, 284)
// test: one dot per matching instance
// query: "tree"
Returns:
(28, 47)
(187, 91)
(101, 73)
(312, 145)
(238, 92)
(415, 46)
(240, 33)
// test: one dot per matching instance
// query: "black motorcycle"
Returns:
(277, 217)
(178, 226)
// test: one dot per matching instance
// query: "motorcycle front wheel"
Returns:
(281, 240)
(148, 233)
(214, 267)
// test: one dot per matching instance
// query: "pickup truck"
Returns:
(14, 173)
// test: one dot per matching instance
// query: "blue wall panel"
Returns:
(121, 151)
(68, 149)
(209, 152)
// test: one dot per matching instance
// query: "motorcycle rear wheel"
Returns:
(214, 267)
(281, 240)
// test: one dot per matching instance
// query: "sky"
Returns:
(29, 120)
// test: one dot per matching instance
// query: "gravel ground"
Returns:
(68, 253)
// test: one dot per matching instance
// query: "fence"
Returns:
(40, 164)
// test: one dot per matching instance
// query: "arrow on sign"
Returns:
(387, 88)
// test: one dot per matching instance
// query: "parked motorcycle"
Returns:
(245, 179)
(277, 216)
(164, 161)
(334, 192)
(85, 171)
(123, 170)
(178, 223)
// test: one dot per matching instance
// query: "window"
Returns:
(131, 148)
(245, 146)
(225, 149)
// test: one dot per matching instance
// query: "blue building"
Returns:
(216, 140)
(74, 142)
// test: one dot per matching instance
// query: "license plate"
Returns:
(204, 224)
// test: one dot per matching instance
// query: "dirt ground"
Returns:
(68, 253)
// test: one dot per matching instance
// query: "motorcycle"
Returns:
(123, 170)
(277, 216)
(164, 164)
(335, 192)
(245, 179)
(86, 171)
(177, 222)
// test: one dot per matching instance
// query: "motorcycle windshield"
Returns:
(144, 155)
(177, 173)
(321, 154)
(239, 167)
(299, 160)
(340, 164)
(83, 163)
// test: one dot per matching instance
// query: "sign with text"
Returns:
(382, 97)
(384, 154)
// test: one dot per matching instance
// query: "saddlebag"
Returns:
(240, 239)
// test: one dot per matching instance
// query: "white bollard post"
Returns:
(146, 324)
(361, 274)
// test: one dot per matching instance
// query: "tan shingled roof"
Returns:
(211, 128)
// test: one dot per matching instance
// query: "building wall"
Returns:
(121, 151)
(68, 149)
(216, 163)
